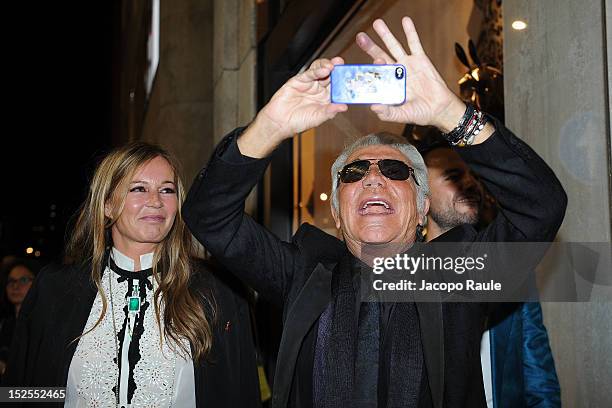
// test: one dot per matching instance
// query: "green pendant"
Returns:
(134, 304)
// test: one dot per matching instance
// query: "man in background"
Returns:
(517, 363)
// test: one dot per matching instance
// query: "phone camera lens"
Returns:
(399, 72)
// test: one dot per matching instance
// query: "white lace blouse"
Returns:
(149, 375)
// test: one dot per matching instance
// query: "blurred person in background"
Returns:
(517, 362)
(133, 319)
(17, 277)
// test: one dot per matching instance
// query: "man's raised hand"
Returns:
(302, 103)
(429, 101)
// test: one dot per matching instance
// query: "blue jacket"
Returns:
(523, 369)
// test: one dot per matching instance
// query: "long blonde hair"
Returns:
(184, 314)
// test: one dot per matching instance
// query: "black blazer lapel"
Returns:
(314, 296)
(432, 332)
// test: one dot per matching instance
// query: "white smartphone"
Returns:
(368, 84)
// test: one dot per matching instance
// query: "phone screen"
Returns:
(368, 84)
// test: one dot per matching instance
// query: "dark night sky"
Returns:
(57, 116)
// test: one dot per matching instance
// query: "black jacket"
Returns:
(297, 275)
(55, 312)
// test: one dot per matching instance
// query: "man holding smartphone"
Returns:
(335, 350)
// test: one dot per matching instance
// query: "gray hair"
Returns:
(387, 139)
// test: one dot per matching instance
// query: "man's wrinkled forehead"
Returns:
(377, 152)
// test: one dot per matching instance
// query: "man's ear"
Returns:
(335, 215)
(423, 216)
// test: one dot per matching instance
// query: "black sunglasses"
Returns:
(391, 169)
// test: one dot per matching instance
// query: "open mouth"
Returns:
(375, 207)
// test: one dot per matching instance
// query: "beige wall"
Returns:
(234, 70)
(205, 84)
(555, 90)
(180, 116)
(235, 58)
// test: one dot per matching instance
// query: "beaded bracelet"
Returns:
(469, 137)
(471, 124)
(455, 135)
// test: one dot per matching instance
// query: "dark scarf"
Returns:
(356, 364)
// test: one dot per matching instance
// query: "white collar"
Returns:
(127, 263)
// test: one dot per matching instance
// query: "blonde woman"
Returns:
(133, 320)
